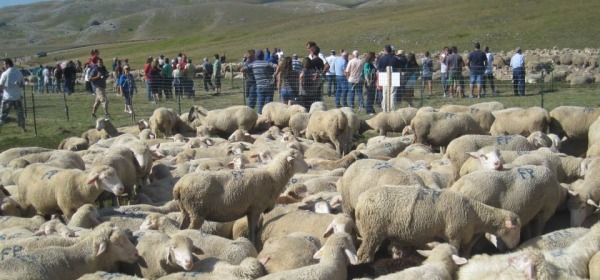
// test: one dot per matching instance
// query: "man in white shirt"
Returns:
(11, 82)
(330, 75)
(354, 72)
(517, 62)
(488, 76)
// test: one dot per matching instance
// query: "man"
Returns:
(11, 82)
(517, 62)
(40, 79)
(167, 75)
(190, 74)
(217, 73)
(330, 75)
(296, 64)
(354, 73)
(388, 59)
(207, 74)
(263, 73)
(477, 62)
(489, 71)
(444, 70)
(250, 80)
(98, 77)
(455, 65)
(341, 91)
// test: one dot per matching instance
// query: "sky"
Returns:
(4, 3)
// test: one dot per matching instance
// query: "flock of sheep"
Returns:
(466, 192)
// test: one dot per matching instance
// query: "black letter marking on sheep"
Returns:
(588, 110)
(388, 146)
(449, 116)
(425, 192)
(15, 250)
(382, 165)
(503, 139)
(237, 175)
(474, 110)
(49, 174)
(524, 171)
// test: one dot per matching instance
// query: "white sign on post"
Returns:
(382, 79)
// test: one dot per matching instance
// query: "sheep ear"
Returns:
(318, 254)
(585, 164)
(329, 230)
(573, 193)
(290, 158)
(351, 256)
(231, 165)
(102, 248)
(593, 203)
(424, 253)
(458, 260)
(197, 251)
(92, 179)
(246, 134)
(264, 261)
(169, 256)
(209, 142)
(509, 224)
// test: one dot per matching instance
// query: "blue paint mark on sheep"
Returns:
(237, 174)
(503, 140)
(2, 236)
(557, 252)
(25, 258)
(406, 139)
(49, 174)
(4, 219)
(474, 110)
(555, 236)
(132, 210)
(449, 116)
(588, 110)
(525, 172)
(388, 145)
(520, 153)
(428, 192)
(382, 165)
(10, 252)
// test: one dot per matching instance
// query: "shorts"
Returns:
(101, 95)
(454, 78)
(475, 78)
(428, 78)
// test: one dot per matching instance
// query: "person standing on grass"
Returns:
(477, 62)
(427, 73)
(154, 84)
(190, 72)
(167, 75)
(207, 72)
(217, 73)
(11, 83)
(517, 62)
(287, 81)
(370, 74)
(264, 72)
(98, 77)
(127, 86)
(444, 70)
(354, 72)
(147, 68)
(58, 77)
(489, 71)
(455, 65)
(341, 91)
(250, 80)
(330, 75)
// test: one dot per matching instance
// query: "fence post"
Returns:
(244, 88)
(422, 89)
(66, 107)
(179, 101)
(388, 89)
(33, 111)
(231, 69)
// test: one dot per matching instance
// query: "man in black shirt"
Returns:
(476, 62)
(388, 59)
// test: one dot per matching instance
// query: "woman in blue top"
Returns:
(127, 86)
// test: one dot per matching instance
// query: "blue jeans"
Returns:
(251, 93)
(264, 96)
(330, 84)
(370, 92)
(444, 82)
(286, 93)
(148, 91)
(341, 91)
(356, 88)
(519, 81)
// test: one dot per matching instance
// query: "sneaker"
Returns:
(24, 129)
(94, 116)
(470, 96)
(495, 93)
(107, 116)
(371, 114)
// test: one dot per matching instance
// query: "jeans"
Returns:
(264, 96)
(286, 94)
(341, 91)
(445, 83)
(330, 84)
(370, 91)
(5, 106)
(519, 81)
(40, 85)
(251, 93)
(148, 91)
(208, 82)
(356, 88)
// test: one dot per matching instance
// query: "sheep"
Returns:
(106, 128)
(85, 217)
(166, 208)
(103, 275)
(334, 164)
(559, 239)
(163, 120)
(123, 161)
(99, 251)
(417, 215)
(331, 126)
(241, 135)
(73, 144)
(142, 155)
(66, 160)
(369, 173)
(298, 123)
(439, 129)
(161, 254)
(589, 189)
(289, 252)
(457, 149)
(239, 192)
(50, 190)
(395, 121)
(10, 154)
(531, 192)
(215, 269)
(594, 267)
(442, 263)
(160, 190)
(223, 122)
(386, 146)
(31, 224)
(574, 259)
(418, 151)
(334, 256)
(23, 161)
(279, 114)
(520, 122)
(572, 121)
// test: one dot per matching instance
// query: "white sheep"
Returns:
(123, 161)
(215, 269)
(101, 250)
(12, 153)
(279, 114)
(289, 252)
(417, 215)
(330, 126)
(395, 121)
(50, 190)
(558, 239)
(385, 147)
(334, 256)
(594, 267)
(572, 121)
(163, 120)
(74, 144)
(225, 121)
(520, 121)
(224, 196)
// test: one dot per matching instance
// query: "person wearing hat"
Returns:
(330, 75)
(517, 62)
(127, 87)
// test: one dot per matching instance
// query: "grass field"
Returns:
(53, 126)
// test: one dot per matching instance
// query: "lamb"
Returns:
(331, 126)
(279, 114)
(50, 190)
(289, 252)
(439, 129)
(369, 173)
(225, 121)
(74, 144)
(238, 190)
(161, 254)
(417, 215)
(99, 251)
(104, 129)
(334, 256)
(241, 135)
(442, 263)
(559, 239)
(163, 120)
(520, 122)
(531, 192)
(85, 217)
(385, 122)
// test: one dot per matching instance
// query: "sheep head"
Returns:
(106, 178)
(114, 243)
(180, 250)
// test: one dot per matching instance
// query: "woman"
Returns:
(287, 81)
(370, 74)
(427, 73)
(127, 86)
(177, 79)
(308, 83)
(412, 73)
(147, 68)
(154, 82)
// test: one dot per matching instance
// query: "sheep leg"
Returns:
(184, 218)
(253, 227)
(369, 246)
(196, 221)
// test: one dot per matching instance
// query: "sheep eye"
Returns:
(484, 157)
